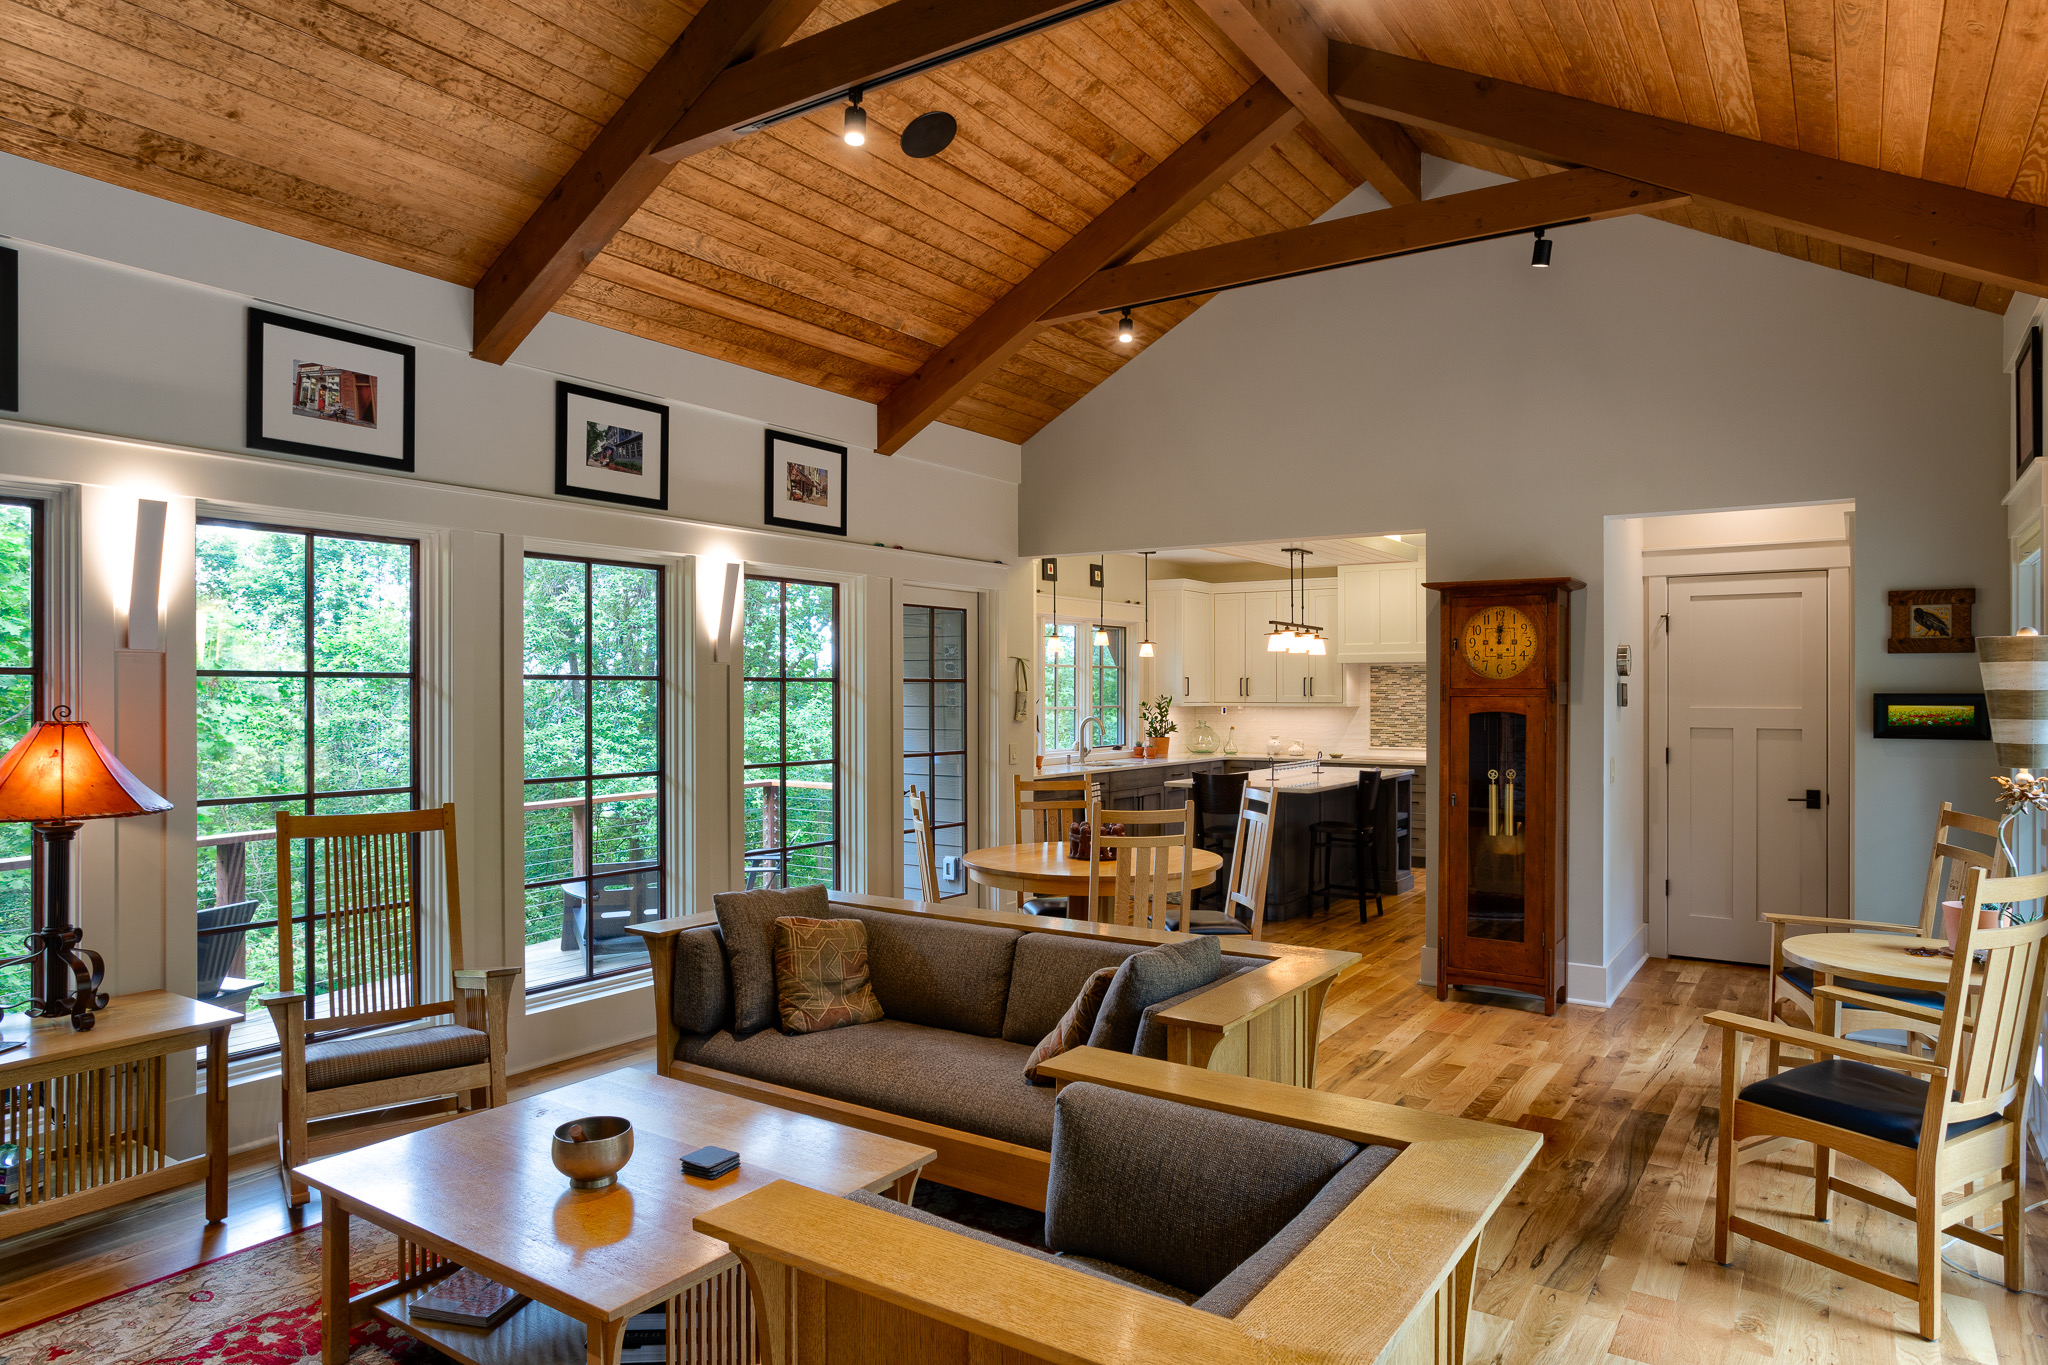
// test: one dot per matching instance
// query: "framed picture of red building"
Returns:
(329, 393)
(610, 448)
(806, 484)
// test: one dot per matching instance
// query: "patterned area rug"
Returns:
(257, 1307)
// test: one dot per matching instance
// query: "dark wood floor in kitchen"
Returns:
(1602, 1253)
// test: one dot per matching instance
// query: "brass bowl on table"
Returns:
(593, 1163)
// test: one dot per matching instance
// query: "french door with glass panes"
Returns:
(937, 727)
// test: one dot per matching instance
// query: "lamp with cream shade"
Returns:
(58, 775)
(2015, 673)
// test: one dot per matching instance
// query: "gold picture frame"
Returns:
(1931, 621)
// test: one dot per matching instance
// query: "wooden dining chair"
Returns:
(1045, 807)
(1791, 991)
(1950, 1123)
(1245, 888)
(1143, 872)
(927, 850)
(370, 932)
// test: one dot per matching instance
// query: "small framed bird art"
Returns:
(1931, 621)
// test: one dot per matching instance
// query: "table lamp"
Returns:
(2015, 673)
(58, 775)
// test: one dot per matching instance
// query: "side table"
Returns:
(85, 1111)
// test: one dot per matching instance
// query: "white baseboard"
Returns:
(1601, 985)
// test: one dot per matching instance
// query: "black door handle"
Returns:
(1811, 800)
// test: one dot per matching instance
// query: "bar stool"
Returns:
(1361, 836)
(1217, 797)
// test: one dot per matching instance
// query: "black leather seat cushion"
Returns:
(1802, 978)
(1873, 1100)
(1210, 922)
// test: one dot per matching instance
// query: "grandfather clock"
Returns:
(1500, 874)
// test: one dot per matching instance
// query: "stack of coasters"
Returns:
(709, 1163)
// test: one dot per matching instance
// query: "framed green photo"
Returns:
(1929, 715)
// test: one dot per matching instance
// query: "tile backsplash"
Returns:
(1392, 716)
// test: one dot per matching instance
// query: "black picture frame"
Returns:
(2026, 383)
(564, 470)
(1048, 570)
(258, 437)
(835, 522)
(10, 330)
(1887, 723)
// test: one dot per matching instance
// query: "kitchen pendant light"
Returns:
(1052, 644)
(1101, 603)
(1540, 258)
(855, 130)
(1124, 333)
(1145, 645)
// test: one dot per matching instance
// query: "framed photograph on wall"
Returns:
(2026, 405)
(10, 330)
(1931, 621)
(1929, 715)
(610, 448)
(328, 393)
(806, 484)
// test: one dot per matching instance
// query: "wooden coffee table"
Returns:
(482, 1192)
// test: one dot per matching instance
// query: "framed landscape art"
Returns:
(331, 394)
(806, 481)
(1929, 715)
(610, 448)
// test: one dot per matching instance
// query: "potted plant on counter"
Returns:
(1157, 725)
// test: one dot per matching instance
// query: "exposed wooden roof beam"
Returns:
(616, 173)
(1472, 216)
(872, 49)
(1923, 222)
(1173, 188)
(1286, 43)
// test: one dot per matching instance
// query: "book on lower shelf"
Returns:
(467, 1299)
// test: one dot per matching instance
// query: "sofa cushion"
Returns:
(1100, 1269)
(1074, 1026)
(746, 920)
(821, 974)
(1253, 1274)
(1148, 978)
(384, 1056)
(955, 1079)
(938, 972)
(1047, 975)
(700, 995)
(1151, 1040)
(1182, 1194)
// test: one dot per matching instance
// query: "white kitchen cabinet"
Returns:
(1244, 671)
(1227, 657)
(1183, 627)
(1310, 679)
(1382, 614)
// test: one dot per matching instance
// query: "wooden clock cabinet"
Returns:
(1500, 875)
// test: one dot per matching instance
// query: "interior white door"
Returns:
(1747, 725)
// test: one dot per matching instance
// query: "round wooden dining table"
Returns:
(1045, 869)
(1883, 958)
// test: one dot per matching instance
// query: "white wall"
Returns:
(133, 314)
(1507, 411)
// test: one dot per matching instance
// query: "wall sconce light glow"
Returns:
(728, 613)
(146, 571)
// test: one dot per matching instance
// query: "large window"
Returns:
(791, 772)
(595, 850)
(309, 702)
(20, 705)
(935, 735)
(1081, 678)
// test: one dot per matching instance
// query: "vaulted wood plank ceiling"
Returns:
(423, 133)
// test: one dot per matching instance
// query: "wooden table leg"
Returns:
(335, 1315)
(604, 1342)
(217, 1125)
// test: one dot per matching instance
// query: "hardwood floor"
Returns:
(1603, 1254)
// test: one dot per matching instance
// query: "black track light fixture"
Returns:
(855, 130)
(1540, 258)
(1124, 331)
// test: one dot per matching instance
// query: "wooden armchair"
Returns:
(1387, 1278)
(1881, 1107)
(927, 850)
(1791, 992)
(368, 933)
(1250, 859)
(1148, 866)
(1057, 803)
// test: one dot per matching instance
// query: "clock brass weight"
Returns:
(1501, 882)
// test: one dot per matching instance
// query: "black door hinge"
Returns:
(1667, 754)
(1667, 886)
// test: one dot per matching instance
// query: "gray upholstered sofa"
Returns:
(966, 996)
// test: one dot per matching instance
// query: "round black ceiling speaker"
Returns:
(929, 134)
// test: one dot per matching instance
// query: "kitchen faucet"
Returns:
(1081, 745)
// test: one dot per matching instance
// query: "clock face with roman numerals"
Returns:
(1498, 642)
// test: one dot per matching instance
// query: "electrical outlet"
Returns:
(949, 869)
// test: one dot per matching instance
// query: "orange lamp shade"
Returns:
(61, 771)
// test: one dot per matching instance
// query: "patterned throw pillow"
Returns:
(1074, 1026)
(821, 974)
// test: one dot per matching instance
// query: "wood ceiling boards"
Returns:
(427, 133)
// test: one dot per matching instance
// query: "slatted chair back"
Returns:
(1250, 859)
(927, 850)
(1987, 1043)
(1147, 866)
(1948, 866)
(1047, 805)
(370, 920)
